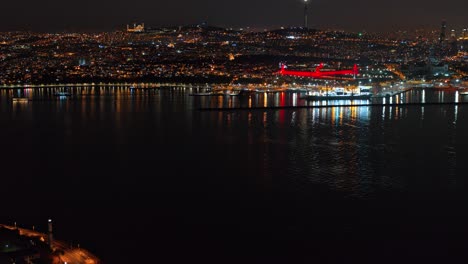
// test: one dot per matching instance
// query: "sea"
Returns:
(152, 176)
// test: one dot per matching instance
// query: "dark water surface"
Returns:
(144, 177)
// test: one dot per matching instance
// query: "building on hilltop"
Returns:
(137, 28)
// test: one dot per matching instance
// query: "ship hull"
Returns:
(337, 97)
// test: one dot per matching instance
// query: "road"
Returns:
(70, 255)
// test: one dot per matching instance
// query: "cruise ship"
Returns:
(338, 94)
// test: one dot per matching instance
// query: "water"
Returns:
(144, 176)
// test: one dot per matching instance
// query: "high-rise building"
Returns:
(443, 27)
(50, 238)
(82, 62)
(306, 22)
(453, 34)
(453, 45)
(463, 40)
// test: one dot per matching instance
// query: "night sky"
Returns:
(355, 15)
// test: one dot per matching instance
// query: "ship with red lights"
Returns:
(319, 73)
(336, 93)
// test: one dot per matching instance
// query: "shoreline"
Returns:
(70, 255)
(126, 84)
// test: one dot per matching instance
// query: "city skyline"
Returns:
(104, 15)
(253, 132)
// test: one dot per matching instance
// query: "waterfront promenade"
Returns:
(70, 255)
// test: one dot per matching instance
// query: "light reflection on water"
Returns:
(355, 149)
(118, 154)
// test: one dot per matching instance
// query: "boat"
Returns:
(143, 88)
(267, 91)
(20, 99)
(338, 97)
(233, 92)
(62, 94)
(201, 94)
(463, 91)
(338, 94)
(297, 90)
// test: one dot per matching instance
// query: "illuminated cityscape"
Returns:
(206, 54)
(253, 132)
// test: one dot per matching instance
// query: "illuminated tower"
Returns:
(442, 32)
(453, 43)
(305, 14)
(453, 34)
(50, 239)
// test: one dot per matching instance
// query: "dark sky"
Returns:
(355, 15)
